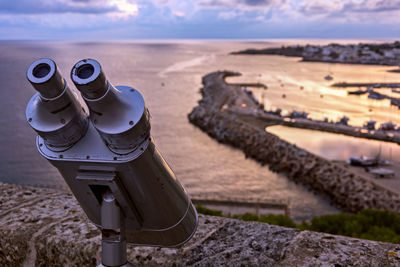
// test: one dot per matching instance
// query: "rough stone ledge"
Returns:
(44, 227)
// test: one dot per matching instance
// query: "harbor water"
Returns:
(168, 74)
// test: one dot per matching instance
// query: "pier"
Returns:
(372, 85)
(228, 114)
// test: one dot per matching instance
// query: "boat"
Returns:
(344, 120)
(362, 161)
(298, 114)
(395, 102)
(382, 173)
(370, 125)
(328, 77)
(375, 95)
(277, 112)
(358, 92)
(388, 126)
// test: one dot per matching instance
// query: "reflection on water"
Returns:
(169, 77)
(305, 89)
(335, 146)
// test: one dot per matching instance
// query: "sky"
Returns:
(198, 19)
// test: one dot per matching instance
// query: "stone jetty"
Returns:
(217, 115)
(44, 227)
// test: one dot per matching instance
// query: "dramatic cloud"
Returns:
(320, 7)
(198, 18)
(373, 6)
(55, 6)
(238, 4)
(114, 8)
(347, 8)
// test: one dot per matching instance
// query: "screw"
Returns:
(131, 123)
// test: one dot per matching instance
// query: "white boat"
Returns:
(382, 173)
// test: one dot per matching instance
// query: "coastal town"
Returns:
(362, 53)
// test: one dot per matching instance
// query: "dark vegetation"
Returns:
(290, 51)
(378, 225)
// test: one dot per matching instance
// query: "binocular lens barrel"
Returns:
(89, 78)
(45, 78)
(121, 134)
(54, 113)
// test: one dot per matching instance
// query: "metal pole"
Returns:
(113, 244)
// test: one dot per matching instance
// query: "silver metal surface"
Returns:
(110, 212)
(45, 78)
(121, 118)
(118, 113)
(113, 243)
(157, 207)
(61, 121)
(89, 78)
(114, 163)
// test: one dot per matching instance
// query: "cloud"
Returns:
(227, 15)
(373, 6)
(178, 13)
(197, 18)
(239, 4)
(55, 6)
(320, 7)
(347, 7)
(125, 8)
(112, 8)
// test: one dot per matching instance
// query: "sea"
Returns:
(168, 73)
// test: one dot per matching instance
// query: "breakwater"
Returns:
(215, 115)
(392, 136)
(372, 85)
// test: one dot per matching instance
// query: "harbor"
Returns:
(228, 114)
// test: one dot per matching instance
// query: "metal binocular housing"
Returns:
(102, 146)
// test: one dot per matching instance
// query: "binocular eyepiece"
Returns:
(89, 78)
(55, 112)
(59, 118)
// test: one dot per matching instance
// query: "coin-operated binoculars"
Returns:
(108, 159)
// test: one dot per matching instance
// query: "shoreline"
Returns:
(217, 115)
(385, 54)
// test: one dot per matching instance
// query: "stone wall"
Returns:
(43, 227)
(345, 189)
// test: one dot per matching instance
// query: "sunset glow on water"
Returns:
(170, 86)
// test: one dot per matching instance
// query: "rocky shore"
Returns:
(217, 115)
(44, 227)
